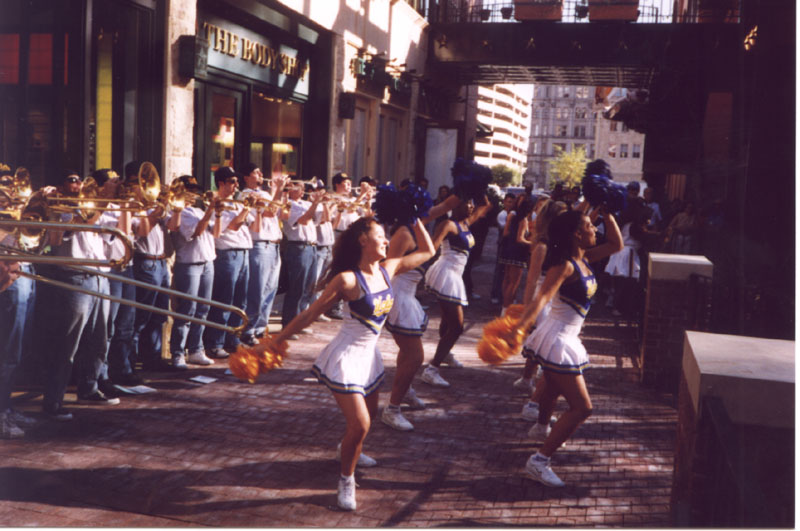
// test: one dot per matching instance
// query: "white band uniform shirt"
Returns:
(151, 245)
(299, 232)
(82, 244)
(625, 263)
(191, 249)
(269, 229)
(238, 239)
(325, 234)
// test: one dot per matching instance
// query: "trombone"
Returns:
(78, 264)
(19, 255)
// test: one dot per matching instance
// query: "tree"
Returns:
(503, 175)
(567, 166)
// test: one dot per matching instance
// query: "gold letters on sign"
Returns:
(224, 41)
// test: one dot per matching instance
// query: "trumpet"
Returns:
(88, 202)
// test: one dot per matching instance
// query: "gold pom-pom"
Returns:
(515, 311)
(248, 362)
(501, 339)
(244, 364)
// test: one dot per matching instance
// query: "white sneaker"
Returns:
(451, 361)
(413, 401)
(523, 385)
(539, 432)
(179, 361)
(346, 494)
(9, 430)
(530, 411)
(541, 472)
(20, 420)
(431, 376)
(200, 358)
(364, 461)
(324, 318)
(394, 419)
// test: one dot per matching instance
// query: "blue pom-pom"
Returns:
(393, 206)
(598, 167)
(600, 190)
(470, 179)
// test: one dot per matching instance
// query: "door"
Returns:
(219, 131)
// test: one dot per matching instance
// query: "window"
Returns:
(582, 92)
(612, 151)
(637, 151)
(536, 130)
(623, 151)
(580, 112)
(624, 128)
(535, 148)
(590, 153)
(580, 131)
(561, 130)
(612, 126)
(558, 148)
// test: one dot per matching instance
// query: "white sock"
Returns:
(348, 479)
(537, 456)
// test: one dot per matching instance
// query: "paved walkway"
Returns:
(233, 454)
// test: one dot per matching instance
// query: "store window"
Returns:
(389, 147)
(276, 135)
(357, 143)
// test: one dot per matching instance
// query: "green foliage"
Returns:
(503, 175)
(567, 166)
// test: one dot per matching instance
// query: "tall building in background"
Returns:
(562, 117)
(504, 114)
(621, 147)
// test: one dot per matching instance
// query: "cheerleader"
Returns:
(547, 211)
(558, 349)
(351, 364)
(407, 321)
(445, 281)
(515, 249)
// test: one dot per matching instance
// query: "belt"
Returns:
(301, 242)
(149, 256)
(276, 242)
(230, 250)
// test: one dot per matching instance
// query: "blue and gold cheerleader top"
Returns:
(461, 242)
(372, 309)
(578, 294)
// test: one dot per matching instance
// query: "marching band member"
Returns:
(150, 266)
(265, 256)
(322, 251)
(79, 321)
(301, 236)
(193, 274)
(344, 217)
(231, 267)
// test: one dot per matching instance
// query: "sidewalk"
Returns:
(233, 454)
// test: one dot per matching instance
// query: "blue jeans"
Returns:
(298, 261)
(16, 320)
(230, 287)
(147, 325)
(197, 280)
(120, 327)
(265, 268)
(78, 324)
(322, 256)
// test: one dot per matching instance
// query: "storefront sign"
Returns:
(255, 56)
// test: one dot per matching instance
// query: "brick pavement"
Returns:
(238, 455)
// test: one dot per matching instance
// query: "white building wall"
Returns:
(505, 109)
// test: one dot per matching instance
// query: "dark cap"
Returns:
(71, 176)
(248, 168)
(224, 174)
(339, 177)
(633, 185)
(189, 182)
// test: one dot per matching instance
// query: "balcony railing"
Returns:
(577, 11)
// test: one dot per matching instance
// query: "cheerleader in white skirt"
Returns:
(351, 366)
(546, 212)
(570, 284)
(444, 279)
(407, 322)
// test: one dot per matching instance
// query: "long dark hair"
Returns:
(347, 250)
(523, 210)
(560, 235)
(547, 214)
